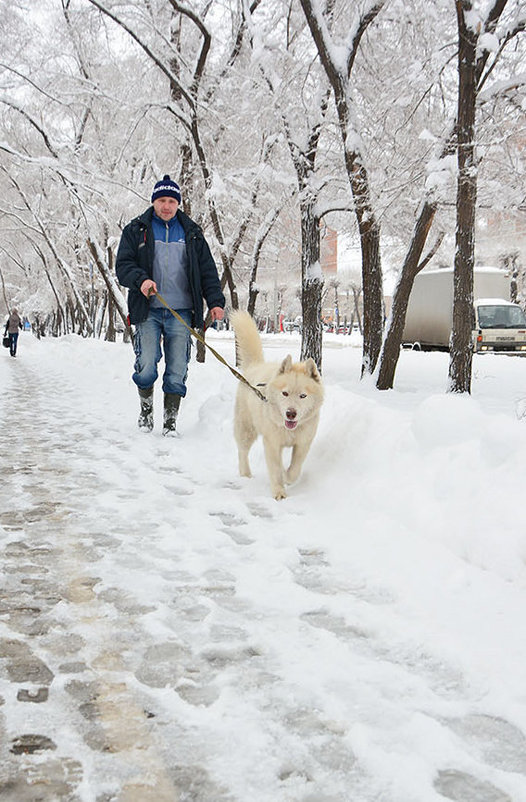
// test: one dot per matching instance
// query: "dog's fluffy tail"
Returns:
(248, 342)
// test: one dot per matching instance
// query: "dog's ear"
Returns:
(312, 370)
(286, 365)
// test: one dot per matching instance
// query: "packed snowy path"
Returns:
(169, 632)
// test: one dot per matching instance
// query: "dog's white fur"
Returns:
(288, 418)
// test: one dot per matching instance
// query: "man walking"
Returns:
(164, 251)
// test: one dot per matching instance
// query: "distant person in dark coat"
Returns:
(164, 251)
(14, 323)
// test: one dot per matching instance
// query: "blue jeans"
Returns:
(13, 340)
(162, 326)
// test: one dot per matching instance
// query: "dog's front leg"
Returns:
(244, 465)
(275, 469)
(245, 435)
(299, 452)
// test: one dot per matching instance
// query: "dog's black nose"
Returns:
(291, 414)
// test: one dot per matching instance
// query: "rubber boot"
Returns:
(171, 408)
(145, 421)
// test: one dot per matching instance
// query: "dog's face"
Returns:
(295, 393)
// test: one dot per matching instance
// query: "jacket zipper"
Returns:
(166, 255)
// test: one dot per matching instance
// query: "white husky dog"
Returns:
(288, 418)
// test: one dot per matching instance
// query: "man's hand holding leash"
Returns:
(149, 287)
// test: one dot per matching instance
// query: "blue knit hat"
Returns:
(166, 188)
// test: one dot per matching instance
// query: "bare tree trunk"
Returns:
(261, 236)
(111, 334)
(461, 338)
(411, 266)
(373, 307)
(369, 228)
(304, 160)
(311, 283)
(356, 297)
(339, 75)
(4, 291)
(187, 176)
(106, 272)
(61, 315)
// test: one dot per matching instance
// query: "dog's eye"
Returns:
(284, 393)
(303, 395)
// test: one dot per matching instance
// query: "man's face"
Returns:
(165, 207)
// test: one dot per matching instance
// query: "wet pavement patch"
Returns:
(22, 665)
(73, 668)
(29, 744)
(39, 695)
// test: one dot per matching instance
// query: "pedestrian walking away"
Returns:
(164, 251)
(13, 324)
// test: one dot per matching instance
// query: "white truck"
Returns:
(499, 325)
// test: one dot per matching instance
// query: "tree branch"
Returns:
(432, 251)
(33, 122)
(205, 48)
(157, 61)
(363, 24)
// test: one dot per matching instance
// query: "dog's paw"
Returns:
(279, 493)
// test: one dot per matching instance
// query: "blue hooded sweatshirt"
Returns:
(170, 264)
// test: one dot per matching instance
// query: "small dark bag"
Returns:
(5, 342)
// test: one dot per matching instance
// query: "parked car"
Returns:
(292, 325)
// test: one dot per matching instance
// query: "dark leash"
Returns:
(202, 340)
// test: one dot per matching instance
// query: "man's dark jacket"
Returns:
(134, 265)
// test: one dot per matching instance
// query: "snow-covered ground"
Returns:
(176, 634)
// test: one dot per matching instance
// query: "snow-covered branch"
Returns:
(7, 102)
(158, 61)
